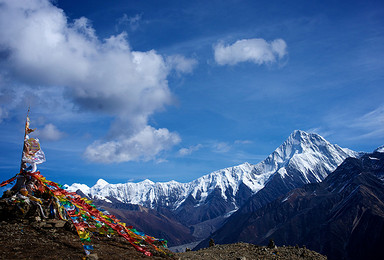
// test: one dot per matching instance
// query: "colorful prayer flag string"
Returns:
(87, 219)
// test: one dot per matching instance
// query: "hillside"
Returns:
(22, 239)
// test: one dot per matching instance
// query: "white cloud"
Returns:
(189, 150)
(41, 48)
(353, 127)
(144, 145)
(84, 26)
(181, 64)
(49, 133)
(258, 51)
(372, 119)
(372, 123)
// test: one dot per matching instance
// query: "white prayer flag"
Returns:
(32, 152)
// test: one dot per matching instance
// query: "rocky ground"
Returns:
(53, 239)
(244, 251)
(24, 240)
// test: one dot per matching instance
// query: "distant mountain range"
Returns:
(204, 205)
(341, 217)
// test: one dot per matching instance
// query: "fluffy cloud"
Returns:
(144, 145)
(258, 51)
(49, 133)
(41, 48)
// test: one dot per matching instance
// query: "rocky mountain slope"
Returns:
(205, 203)
(342, 217)
(158, 224)
(21, 239)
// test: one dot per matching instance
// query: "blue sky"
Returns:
(173, 90)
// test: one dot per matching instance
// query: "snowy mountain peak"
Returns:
(300, 135)
(309, 153)
(147, 182)
(297, 134)
(101, 183)
(77, 186)
(304, 139)
(380, 149)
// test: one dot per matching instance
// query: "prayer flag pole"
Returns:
(22, 164)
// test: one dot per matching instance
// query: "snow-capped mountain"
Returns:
(312, 155)
(333, 217)
(172, 194)
(302, 158)
(380, 149)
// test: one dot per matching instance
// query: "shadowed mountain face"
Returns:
(158, 224)
(342, 217)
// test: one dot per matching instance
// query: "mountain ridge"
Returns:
(341, 217)
(253, 176)
(204, 203)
